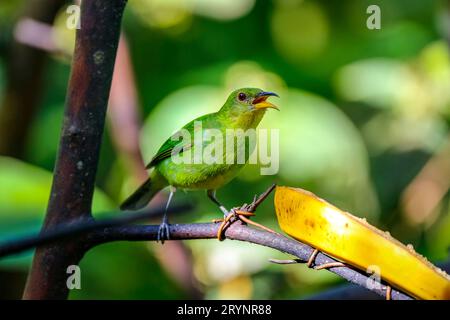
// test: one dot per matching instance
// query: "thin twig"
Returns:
(261, 198)
(287, 261)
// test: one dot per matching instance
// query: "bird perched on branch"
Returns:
(242, 111)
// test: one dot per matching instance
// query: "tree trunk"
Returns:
(76, 164)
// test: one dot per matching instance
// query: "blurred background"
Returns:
(364, 123)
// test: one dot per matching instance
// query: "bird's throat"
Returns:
(244, 120)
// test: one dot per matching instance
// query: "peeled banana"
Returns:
(312, 220)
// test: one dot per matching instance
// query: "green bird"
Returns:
(244, 110)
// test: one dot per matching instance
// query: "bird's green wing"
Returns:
(165, 151)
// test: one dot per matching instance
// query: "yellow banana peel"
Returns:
(312, 220)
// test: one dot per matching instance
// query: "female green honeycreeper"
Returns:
(243, 110)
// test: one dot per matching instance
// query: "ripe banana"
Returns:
(312, 220)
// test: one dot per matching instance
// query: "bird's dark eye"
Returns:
(242, 96)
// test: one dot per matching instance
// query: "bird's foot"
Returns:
(235, 214)
(243, 214)
(163, 232)
(228, 220)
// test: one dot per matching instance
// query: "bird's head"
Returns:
(248, 100)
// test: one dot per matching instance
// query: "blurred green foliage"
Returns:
(24, 193)
(362, 112)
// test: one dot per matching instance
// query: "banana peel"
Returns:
(309, 219)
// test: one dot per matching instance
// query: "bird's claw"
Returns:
(234, 215)
(242, 213)
(226, 221)
(163, 232)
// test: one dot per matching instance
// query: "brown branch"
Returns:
(239, 232)
(92, 233)
(76, 165)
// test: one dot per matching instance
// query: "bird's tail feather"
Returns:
(142, 196)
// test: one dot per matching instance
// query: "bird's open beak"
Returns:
(260, 102)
